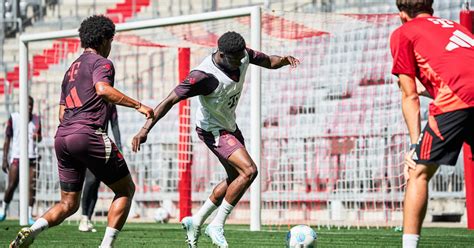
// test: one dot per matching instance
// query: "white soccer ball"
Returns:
(161, 215)
(301, 236)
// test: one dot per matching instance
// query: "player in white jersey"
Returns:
(11, 158)
(218, 81)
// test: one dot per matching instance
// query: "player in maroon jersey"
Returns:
(440, 53)
(81, 142)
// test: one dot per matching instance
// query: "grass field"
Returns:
(171, 235)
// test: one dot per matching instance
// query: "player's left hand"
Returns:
(290, 60)
(408, 164)
(138, 139)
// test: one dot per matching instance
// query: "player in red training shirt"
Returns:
(440, 54)
(81, 142)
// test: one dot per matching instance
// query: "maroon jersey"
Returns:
(440, 53)
(85, 111)
(201, 83)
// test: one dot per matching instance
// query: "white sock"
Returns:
(410, 240)
(4, 208)
(30, 212)
(109, 237)
(224, 210)
(84, 217)
(200, 217)
(40, 225)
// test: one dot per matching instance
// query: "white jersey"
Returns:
(216, 111)
(15, 146)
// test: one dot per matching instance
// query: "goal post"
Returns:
(466, 17)
(26, 39)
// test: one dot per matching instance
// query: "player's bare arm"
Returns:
(6, 150)
(112, 95)
(160, 111)
(37, 136)
(411, 113)
(278, 62)
(275, 62)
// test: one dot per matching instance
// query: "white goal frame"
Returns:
(255, 88)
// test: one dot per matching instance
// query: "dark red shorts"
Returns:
(76, 152)
(223, 143)
(443, 137)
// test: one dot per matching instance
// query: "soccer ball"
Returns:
(161, 215)
(301, 236)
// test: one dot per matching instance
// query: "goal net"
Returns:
(332, 131)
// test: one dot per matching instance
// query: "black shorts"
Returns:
(443, 137)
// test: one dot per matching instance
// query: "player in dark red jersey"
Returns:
(81, 142)
(440, 53)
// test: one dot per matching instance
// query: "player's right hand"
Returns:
(5, 166)
(147, 111)
(138, 139)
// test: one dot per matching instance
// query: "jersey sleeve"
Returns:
(103, 71)
(196, 83)
(258, 58)
(9, 129)
(403, 54)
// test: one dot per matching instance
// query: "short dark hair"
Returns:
(31, 100)
(415, 7)
(231, 42)
(94, 30)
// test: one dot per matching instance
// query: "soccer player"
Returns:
(92, 183)
(218, 81)
(440, 54)
(12, 133)
(86, 95)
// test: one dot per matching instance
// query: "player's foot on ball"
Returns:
(24, 238)
(216, 233)
(192, 231)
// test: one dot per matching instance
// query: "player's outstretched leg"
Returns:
(245, 168)
(58, 213)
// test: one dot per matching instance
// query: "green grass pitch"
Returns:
(171, 235)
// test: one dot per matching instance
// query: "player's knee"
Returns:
(250, 172)
(423, 172)
(70, 205)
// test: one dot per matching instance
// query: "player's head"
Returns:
(31, 103)
(410, 9)
(231, 49)
(97, 32)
